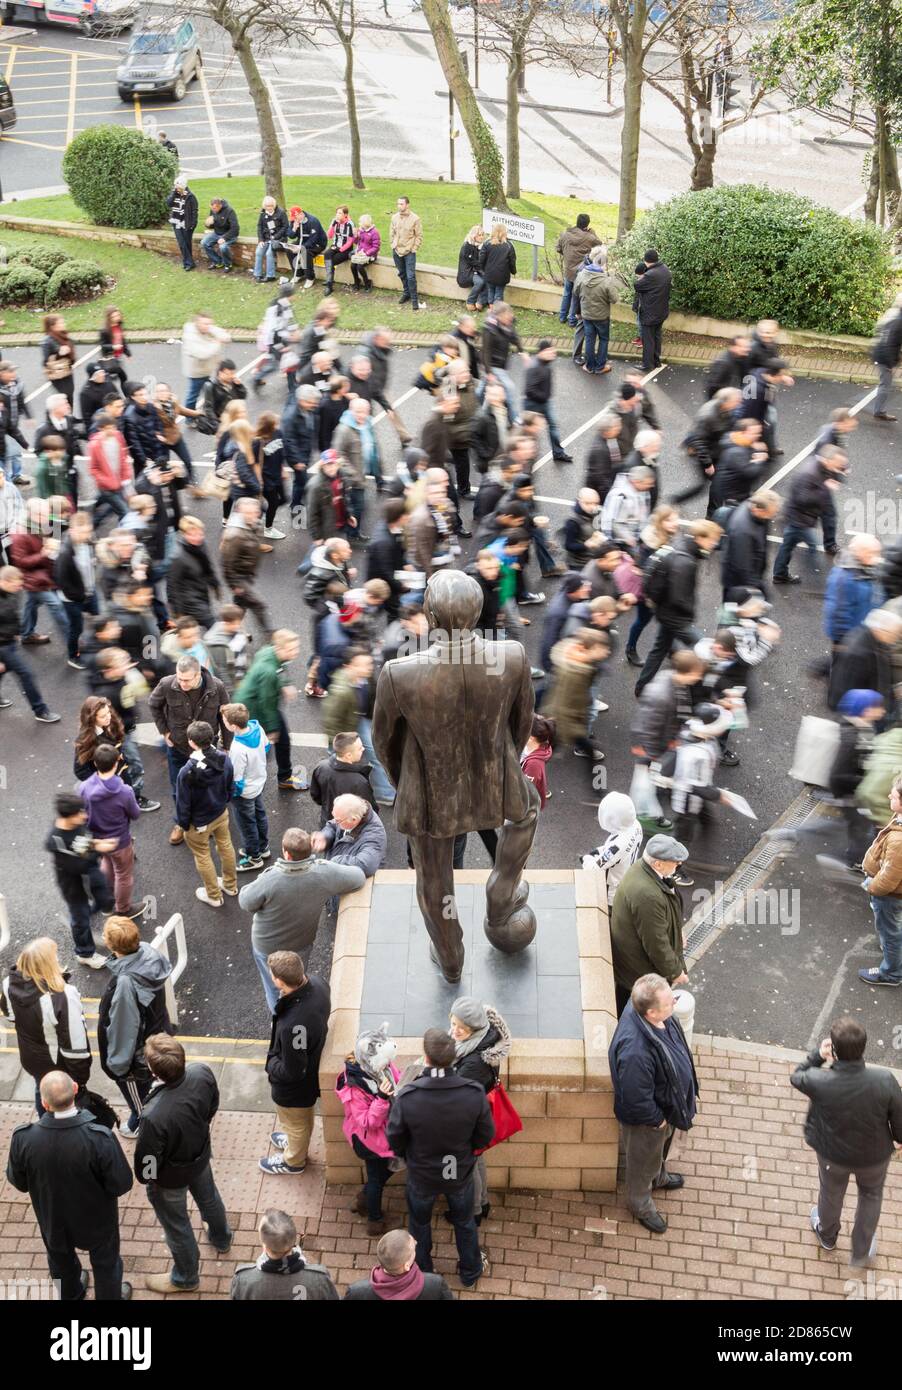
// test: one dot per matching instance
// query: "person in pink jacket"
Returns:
(110, 467)
(365, 252)
(366, 1089)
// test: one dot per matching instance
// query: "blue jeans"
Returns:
(406, 266)
(134, 763)
(16, 665)
(265, 249)
(547, 409)
(381, 785)
(888, 921)
(566, 313)
(109, 502)
(642, 617)
(357, 506)
(597, 331)
(175, 761)
(466, 1235)
(75, 613)
(251, 816)
(793, 536)
(12, 464)
(377, 1175)
(215, 254)
(171, 1207)
(269, 989)
(494, 293)
(50, 599)
(195, 385)
(477, 290)
(543, 554)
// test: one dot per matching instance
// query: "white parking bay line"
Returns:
(806, 452)
(211, 116)
(577, 433)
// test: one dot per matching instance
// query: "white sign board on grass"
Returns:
(518, 228)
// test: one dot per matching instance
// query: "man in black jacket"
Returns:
(887, 351)
(809, 499)
(864, 659)
(537, 390)
(190, 695)
(729, 367)
(674, 600)
(218, 241)
(141, 427)
(172, 1158)
(300, 1023)
(345, 771)
(759, 392)
(11, 658)
(853, 1122)
(744, 556)
(740, 463)
(655, 1090)
(436, 1123)
(605, 457)
(272, 230)
(74, 1172)
(191, 580)
(299, 425)
(76, 577)
(653, 290)
(386, 554)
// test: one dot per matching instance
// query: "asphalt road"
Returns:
(220, 992)
(570, 136)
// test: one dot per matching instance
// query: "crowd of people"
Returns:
(102, 540)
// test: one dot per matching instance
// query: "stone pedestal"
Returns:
(557, 997)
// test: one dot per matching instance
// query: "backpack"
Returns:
(655, 575)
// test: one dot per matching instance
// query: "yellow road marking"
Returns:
(73, 93)
(11, 62)
(245, 1061)
(139, 119)
(211, 116)
(33, 144)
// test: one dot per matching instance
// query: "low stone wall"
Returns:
(561, 1087)
(442, 281)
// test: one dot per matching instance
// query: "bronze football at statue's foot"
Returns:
(513, 933)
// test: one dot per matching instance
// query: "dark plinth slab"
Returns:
(537, 990)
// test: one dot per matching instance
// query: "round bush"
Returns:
(22, 284)
(741, 252)
(118, 176)
(74, 280)
(42, 258)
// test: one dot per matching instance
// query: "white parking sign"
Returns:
(518, 228)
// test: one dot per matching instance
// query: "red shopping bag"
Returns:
(507, 1121)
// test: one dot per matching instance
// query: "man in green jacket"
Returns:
(262, 691)
(594, 291)
(348, 697)
(647, 919)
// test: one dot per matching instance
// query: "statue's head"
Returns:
(452, 602)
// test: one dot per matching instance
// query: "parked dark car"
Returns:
(160, 61)
(8, 115)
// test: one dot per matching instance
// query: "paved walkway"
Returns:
(738, 1230)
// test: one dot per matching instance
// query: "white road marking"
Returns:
(211, 116)
(806, 452)
(148, 735)
(394, 405)
(824, 1018)
(853, 207)
(577, 433)
(47, 384)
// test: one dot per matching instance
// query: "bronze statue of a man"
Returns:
(448, 726)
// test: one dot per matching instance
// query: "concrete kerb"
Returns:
(442, 281)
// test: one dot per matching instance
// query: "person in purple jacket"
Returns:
(365, 252)
(111, 806)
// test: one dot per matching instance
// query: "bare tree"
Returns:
(342, 17)
(486, 155)
(514, 34)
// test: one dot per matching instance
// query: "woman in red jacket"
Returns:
(537, 753)
(110, 467)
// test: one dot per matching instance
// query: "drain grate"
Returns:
(712, 914)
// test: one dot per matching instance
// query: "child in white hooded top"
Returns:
(617, 816)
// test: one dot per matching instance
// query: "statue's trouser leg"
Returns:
(432, 860)
(514, 843)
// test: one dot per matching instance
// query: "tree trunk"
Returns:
(870, 198)
(629, 135)
(269, 139)
(353, 123)
(514, 69)
(703, 166)
(486, 155)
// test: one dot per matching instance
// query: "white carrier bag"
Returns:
(817, 744)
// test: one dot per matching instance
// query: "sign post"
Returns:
(518, 229)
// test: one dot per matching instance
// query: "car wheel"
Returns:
(125, 96)
(180, 91)
(198, 64)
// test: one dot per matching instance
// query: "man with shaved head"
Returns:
(397, 1277)
(74, 1172)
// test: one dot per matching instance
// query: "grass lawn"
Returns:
(447, 210)
(154, 292)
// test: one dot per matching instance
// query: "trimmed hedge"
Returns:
(742, 252)
(43, 258)
(74, 279)
(21, 284)
(118, 176)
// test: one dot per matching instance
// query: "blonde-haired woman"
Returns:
(46, 1011)
(497, 263)
(366, 249)
(468, 274)
(225, 447)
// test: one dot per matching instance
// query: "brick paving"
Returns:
(737, 1230)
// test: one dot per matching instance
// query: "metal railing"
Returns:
(174, 927)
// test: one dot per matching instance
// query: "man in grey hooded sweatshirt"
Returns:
(287, 901)
(133, 1007)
